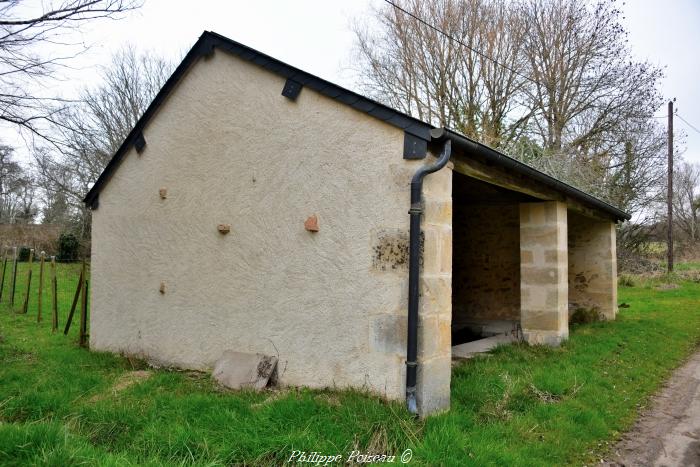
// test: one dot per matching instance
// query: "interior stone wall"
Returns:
(486, 263)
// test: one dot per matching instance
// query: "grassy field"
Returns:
(62, 405)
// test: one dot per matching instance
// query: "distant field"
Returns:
(62, 405)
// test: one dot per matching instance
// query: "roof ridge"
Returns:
(209, 40)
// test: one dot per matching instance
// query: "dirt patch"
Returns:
(122, 383)
(668, 433)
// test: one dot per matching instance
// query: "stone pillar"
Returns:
(593, 265)
(544, 315)
(435, 312)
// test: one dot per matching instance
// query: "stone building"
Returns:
(258, 208)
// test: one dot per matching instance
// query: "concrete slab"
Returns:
(238, 370)
(470, 349)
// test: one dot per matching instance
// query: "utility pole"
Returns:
(670, 187)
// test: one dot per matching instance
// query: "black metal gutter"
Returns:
(414, 272)
(473, 148)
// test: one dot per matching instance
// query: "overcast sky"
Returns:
(316, 36)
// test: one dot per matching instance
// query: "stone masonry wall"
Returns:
(543, 272)
(486, 263)
(592, 265)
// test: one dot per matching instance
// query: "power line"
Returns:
(687, 122)
(488, 57)
(478, 52)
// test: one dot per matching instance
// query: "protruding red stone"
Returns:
(311, 224)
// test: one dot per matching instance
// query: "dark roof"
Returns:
(205, 46)
(469, 146)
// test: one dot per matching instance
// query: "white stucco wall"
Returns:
(230, 149)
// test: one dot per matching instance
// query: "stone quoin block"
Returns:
(435, 307)
(433, 385)
(387, 334)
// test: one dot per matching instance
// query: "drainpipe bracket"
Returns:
(416, 208)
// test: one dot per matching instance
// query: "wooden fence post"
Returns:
(54, 293)
(14, 276)
(83, 309)
(25, 308)
(42, 256)
(75, 302)
(4, 268)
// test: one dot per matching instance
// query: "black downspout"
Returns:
(414, 273)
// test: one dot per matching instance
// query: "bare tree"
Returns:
(35, 40)
(92, 129)
(17, 192)
(549, 81)
(686, 201)
(450, 81)
(584, 87)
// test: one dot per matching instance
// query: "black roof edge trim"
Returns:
(210, 40)
(204, 47)
(201, 48)
(500, 159)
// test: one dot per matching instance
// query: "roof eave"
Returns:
(499, 159)
(205, 46)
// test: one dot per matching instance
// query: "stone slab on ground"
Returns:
(668, 433)
(492, 327)
(470, 349)
(239, 370)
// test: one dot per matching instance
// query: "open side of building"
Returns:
(241, 140)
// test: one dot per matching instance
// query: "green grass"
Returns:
(689, 266)
(521, 406)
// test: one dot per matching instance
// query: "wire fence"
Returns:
(50, 291)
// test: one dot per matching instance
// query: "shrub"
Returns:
(585, 316)
(23, 253)
(626, 280)
(68, 246)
